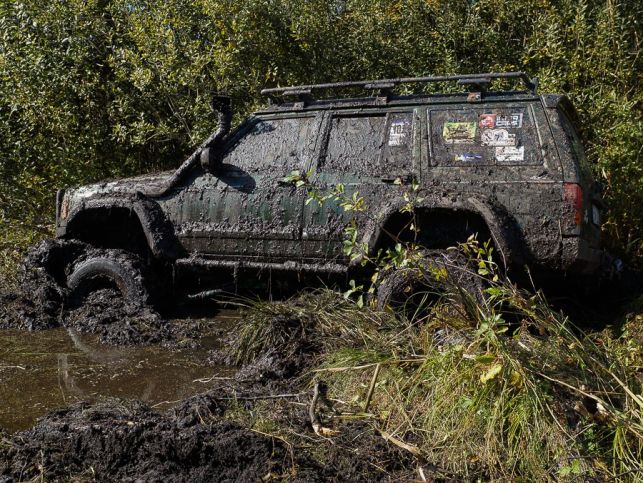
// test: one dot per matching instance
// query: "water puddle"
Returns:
(41, 371)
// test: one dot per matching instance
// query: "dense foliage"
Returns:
(91, 89)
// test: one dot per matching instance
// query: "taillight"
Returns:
(573, 194)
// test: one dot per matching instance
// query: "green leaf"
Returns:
(486, 358)
(491, 373)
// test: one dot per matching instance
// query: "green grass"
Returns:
(501, 390)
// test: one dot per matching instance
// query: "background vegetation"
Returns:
(92, 89)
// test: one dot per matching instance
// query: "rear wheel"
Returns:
(101, 269)
(438, 272)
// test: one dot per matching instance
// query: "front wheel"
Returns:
(101, 269)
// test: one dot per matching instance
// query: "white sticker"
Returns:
(468, 157)
(398, 132)
(497, 137)
(510, 153)
(512, 120)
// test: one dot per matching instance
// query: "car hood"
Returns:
(126, 186)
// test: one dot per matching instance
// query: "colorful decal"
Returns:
(459, 132)
(468, 157)
(506, 154)
(487, 121)
(497, 137)
(511, 120)
(400, 129)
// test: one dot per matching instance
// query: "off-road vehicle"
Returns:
(507, 165)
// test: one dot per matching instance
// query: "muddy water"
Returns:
(45, 370)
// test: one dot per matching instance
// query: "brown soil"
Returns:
(127, 441)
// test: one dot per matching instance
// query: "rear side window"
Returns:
(355, 144)
(376, 145)
(274, 145)
(483, 136)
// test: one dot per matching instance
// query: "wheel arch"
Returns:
(499, 224)
(118, 223)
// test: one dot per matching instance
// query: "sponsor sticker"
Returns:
(487, 121)
(459, 132)
(497, 137)
(510, 120)
(506, 154)
(468, 157)
(399, 131)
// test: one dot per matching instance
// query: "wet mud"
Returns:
(42, 302)
(196, 440)
(127, 441)
(46, 370)
(107, 315)
(253, 423)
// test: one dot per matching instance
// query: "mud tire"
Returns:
(405, 288)
(116, 267)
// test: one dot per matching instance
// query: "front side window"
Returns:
(274, 145)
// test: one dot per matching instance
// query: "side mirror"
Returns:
(210, 156)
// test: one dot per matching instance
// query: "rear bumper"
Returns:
(579, 257)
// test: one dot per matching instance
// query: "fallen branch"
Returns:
(371, 389)
(373, 364)
(205, 380)
(319, 392)
(408, 447)
(259, 398)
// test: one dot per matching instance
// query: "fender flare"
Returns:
(503, 228)
(159, 232)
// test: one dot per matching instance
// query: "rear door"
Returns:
(374, 156)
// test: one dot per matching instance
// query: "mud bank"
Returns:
(127, 441)
(107, 315)
(255, 425)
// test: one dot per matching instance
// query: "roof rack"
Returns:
(479, 80)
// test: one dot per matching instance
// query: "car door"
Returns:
(374, 156)
(245, 209)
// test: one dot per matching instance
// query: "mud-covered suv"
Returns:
(507, 165)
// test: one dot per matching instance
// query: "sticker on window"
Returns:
(487, 121)
(459, 132)
(468, 157)
(497, 137)
(399, 131)
(512, 120)
(506, 154)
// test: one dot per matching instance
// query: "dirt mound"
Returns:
(104, 313)
(126, 441)
(129, 442)
(116, 321)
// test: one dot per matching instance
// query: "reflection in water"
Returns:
(41, 371)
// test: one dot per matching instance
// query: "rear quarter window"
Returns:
(484, 136)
